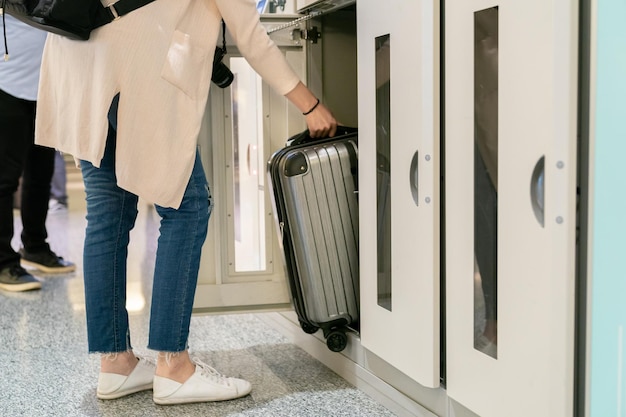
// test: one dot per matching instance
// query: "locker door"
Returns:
(510, 152)
(398, 55)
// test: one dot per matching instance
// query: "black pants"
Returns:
(19, 156)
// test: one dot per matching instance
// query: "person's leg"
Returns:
(35, 195)
(16, 119)
(34, 208)
(177, 378)
(111, 214)
(36, 179)
(58, 186)
(183, 232)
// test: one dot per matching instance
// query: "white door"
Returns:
(242, 265)
(510, 157)
(398, 57)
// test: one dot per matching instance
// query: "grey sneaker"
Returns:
(14, 278)
(46, 261)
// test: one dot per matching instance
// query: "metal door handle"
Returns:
(537, 190)
(414, 178)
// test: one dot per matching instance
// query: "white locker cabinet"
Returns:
(510, 158)
(398, 72)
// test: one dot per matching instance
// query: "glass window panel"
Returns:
(248, 179)
(383, 166)
(486, 180)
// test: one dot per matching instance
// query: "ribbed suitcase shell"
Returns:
(316, 206)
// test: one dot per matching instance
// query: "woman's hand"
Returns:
(321, 122)
(319, 119)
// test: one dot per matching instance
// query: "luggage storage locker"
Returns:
(398, 72)
(510, 157)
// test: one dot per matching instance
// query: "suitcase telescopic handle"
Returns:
(414, 178)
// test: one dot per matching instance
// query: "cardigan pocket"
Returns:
(187, 65)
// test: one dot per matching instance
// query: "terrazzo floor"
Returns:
(45, 369)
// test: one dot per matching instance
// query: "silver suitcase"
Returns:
(314, 185)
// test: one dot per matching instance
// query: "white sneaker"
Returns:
(111, 386)
(206, 384)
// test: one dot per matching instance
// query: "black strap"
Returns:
(4, 31)
(119, 9)
(224, 36)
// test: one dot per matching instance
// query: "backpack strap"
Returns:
(117, 10)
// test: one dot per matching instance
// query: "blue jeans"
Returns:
(111, 214)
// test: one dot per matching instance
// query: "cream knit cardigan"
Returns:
(159, 58)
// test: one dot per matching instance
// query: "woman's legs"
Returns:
(183, 232)
(111, 214)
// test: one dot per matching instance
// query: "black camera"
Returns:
(222, 76)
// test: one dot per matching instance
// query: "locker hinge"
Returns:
(311, 35)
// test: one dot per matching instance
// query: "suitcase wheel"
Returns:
(308, 328)
(336, 341)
